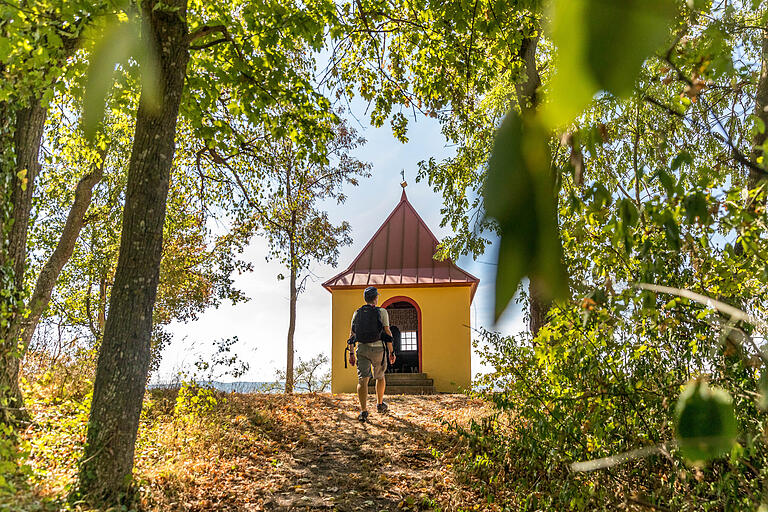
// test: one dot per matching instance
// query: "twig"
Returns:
(733, 312)
(613, 460)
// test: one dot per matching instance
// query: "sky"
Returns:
(261, 324)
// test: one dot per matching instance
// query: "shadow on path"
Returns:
(347, 465)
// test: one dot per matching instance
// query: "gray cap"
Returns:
(370, 293)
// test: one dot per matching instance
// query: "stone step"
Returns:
(410, 390)
(406, 376)
(404, 382)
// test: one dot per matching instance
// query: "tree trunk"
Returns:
(124, 356)
(538, 308)
(27, 139)
(69, 235)
(27, 136)
(22, 120)
(101, 316)
(527, 90)
(291, 328)
(528, 99)
(11, 295)
(755, 177)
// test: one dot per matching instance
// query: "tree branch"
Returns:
(207, 30)
(208, 45)
(46, 280)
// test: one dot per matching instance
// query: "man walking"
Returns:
(370, 329)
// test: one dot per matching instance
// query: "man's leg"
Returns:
(381, 384)
(362, 392)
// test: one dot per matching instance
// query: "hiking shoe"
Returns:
(362, 417)
(382, 408)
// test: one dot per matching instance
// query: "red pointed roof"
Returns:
(401, 254)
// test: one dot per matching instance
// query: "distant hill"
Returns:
(232, 387)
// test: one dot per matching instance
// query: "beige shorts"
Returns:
(370, 355)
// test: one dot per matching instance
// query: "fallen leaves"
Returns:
(301, 452)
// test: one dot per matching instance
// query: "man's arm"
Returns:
(390, 347)
(384, 316)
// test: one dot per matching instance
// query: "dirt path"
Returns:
(310, 453)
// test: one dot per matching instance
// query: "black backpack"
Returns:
(367, 325)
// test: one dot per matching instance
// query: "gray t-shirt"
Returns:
(383, 315)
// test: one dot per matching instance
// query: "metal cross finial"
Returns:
(404, 183)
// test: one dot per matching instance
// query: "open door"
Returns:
(405, 322)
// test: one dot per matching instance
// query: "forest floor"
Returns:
(260, 452)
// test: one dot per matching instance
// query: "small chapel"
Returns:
(428, 302)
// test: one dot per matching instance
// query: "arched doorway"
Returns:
(405, 322)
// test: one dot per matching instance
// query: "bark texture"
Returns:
(289, 377)
(22, 121)
(538, 308)
(10, 294)
(124, 357)
(30, 122)
(27, 136)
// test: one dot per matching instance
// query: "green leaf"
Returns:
(572, 86)
(621, 35)
(5, 49)
(699, 5)
(601, 45)
(115, 47)
(119, 43)
(705, 425)
(696, 206)
(600, 196)
(672, 231)
(682, 158)
(146, 55)
(667, 182)
(629, 217)
(519, 194)
(628, 212)
(22, 175)
(759, 124)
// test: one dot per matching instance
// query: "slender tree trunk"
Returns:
(528, 98)
(291, 326)
(755, 177)
(9, 293)
(527, 90)
(69, 235)
(124, 356)
(27, 137)
(101, 316)
(22, 120)
(538, 308)
(27, 140)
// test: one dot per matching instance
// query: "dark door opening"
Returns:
(404, 322)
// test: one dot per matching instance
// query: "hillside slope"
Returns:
(272, 452)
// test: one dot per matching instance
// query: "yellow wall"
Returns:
(446, 337)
